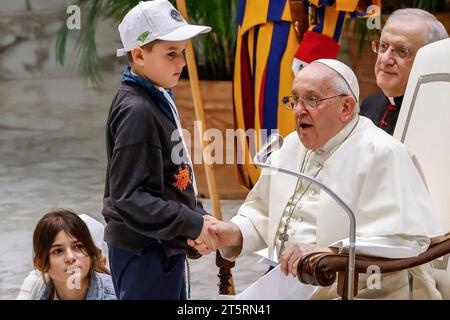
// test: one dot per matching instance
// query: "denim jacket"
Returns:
(100, 288)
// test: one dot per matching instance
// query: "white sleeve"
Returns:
(31, 287)
(393, 247)
(252, 219)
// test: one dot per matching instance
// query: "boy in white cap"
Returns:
(371, 171)
(150, 200)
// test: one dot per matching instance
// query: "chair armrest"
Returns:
(321, 268)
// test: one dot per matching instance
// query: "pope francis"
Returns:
(371, 171)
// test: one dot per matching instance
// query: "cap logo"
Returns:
(143, 36)
(176, 16)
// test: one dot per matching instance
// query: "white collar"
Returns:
(339, 137)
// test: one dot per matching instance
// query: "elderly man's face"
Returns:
(316, 127)
(392, 71)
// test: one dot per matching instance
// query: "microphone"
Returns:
(274, 142)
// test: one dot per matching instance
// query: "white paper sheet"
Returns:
(276, 286)
(264, 257)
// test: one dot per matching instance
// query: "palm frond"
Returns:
(86, 47)
(61, 42)
(86, 57)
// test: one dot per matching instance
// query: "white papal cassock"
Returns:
(375, 175)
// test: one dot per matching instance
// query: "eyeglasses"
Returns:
(382, 47)
(309, 103)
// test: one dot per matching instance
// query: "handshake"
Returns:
(215, 235)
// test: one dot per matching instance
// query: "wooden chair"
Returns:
(322, 269)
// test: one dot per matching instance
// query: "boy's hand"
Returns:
(206, 241)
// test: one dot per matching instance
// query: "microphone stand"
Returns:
(275, 142)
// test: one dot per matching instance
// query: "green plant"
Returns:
(214, 51)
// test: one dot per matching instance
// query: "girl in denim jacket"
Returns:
(68, 259)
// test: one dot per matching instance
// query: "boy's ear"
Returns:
(137, 55)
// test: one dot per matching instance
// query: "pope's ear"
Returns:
(348, 108)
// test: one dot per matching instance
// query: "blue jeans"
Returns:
(149, 276)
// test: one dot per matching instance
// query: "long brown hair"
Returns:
(48, 228)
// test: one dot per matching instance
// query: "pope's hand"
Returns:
(224, 233)
(228, 234)
(290, 258)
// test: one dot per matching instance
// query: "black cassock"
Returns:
(379, 109)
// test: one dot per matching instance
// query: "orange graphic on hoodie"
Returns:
(183, 178)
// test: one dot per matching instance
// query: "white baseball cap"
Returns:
(96, 229)
(345, 72)
(154, 20)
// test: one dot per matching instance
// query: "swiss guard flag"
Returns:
(266, 47)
